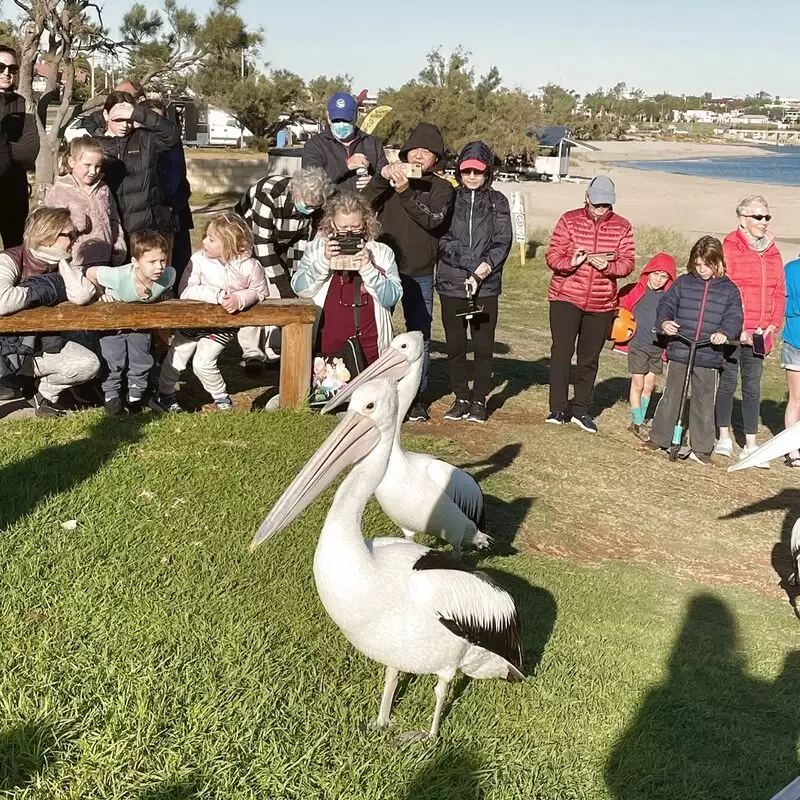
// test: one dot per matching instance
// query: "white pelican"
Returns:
(420, 493)
(777, 446)
(406, 606)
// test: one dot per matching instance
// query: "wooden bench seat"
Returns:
(295, 316)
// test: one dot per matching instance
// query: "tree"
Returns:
(558, 103)
(319, 89)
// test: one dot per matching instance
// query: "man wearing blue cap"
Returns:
(348, 155)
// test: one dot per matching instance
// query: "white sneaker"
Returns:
(746, 451)
(723, 447)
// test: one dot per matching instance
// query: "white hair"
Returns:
(747, 202)
(312, 186)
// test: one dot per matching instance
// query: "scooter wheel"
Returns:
(673, 452)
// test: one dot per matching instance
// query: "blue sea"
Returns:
(781, 166)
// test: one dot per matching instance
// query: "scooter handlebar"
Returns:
(686, 340)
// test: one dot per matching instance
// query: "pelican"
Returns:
(403, 605)
(779, 445)
(420, 493)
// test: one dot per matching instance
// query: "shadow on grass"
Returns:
(453, 775)
(609, 392)
(787, 500)
(497, 462)
(60, 467)
(25, 753)
(184, 789)
(771, 415)
(710, 730)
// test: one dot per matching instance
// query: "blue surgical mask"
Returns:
(301, 208)
(342, 130)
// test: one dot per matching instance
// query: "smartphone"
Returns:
(412, 170)
(609, 256)
(349, 245)
(758, 345)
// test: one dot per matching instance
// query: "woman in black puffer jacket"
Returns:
(702, 304)
(471, 258)
(131, 160)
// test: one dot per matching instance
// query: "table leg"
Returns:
(295, 376)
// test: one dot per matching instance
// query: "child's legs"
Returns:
(206, 369)
(649, 385)
(115, 356)
(667, 412)
(792, 414)
(637, 386)
(701, 410)
(176, 361)
(140, 362)
(251, 341)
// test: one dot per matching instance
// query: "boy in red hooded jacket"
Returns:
(645, 355)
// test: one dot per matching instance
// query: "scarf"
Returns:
(758, 244)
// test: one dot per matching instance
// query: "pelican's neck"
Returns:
(407, 389)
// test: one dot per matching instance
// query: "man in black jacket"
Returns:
(413, 213)
(19, 146)
(347, 155)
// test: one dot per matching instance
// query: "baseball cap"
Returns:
(601, 191)
(342, 106)
(473, 163)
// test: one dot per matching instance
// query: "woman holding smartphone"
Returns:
(755, 265)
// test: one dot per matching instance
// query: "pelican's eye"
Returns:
(369, 407)
(404, 346)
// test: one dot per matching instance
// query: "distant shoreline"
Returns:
(612, 151)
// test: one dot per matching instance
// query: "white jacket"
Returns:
(381, 279)
(244, 277)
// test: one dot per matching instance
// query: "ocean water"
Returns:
(781, 166)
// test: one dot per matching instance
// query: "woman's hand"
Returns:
(331, 248)
(362, 258)
(483, 271)
(670, 327)
(579, 256)
(718, 338)
(471, 285)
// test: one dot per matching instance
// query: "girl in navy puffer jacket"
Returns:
(702, 304)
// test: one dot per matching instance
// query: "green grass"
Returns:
(148, 654)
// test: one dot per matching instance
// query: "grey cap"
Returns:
(601, 191)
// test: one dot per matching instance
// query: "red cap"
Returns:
(473, 163)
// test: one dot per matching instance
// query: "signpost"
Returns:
(518, 221)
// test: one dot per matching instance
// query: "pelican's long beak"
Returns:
(352, 439)
(392, 365)
(777, 446)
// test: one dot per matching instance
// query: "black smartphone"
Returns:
(758, 345)
(349, 244)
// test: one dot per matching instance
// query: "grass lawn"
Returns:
(145, 653)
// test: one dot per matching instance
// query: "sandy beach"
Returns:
(694, 206)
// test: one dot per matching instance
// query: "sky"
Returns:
(727, 47)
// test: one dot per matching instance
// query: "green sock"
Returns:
(645, 403)
(637, 415)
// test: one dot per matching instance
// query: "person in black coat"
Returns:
(702, 304)
(19, 146)
(414, 213)
(471, 258)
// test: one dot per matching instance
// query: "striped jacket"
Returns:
(280, 233)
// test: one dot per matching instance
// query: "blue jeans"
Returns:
(418, 311)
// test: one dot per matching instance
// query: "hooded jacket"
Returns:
(632, 293)
(480, 231)
(584, 286)
(329, 154)
(760, 280)
(413, 221)
(19, 146)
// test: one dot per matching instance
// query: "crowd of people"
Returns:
(360, 236)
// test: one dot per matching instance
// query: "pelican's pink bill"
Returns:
(777, 446)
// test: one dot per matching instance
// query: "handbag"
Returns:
(333, 371)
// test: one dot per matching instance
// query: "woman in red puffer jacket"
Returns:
(755, 265)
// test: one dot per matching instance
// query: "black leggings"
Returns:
(482, 328)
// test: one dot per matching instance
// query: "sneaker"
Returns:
(223, 403)
(746, 451)
(46, 409)
(113, 406)
(135, 405)
(459, 410)
(477, 412)
(418, 412)
(253, 367)
(723, 447)
(701, 458)
(164, 404)
(557, 418)
(586, 423)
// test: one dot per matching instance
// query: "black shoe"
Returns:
(113, 406)
(418, 412)
(557, 418)
(164, 404)
(135, 405)
(586, 423)
(477, 412)
(459, 410)
(7, 393)
(44, 409)
(253, 367)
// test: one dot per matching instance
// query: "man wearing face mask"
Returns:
(348, 156)
(283, 214)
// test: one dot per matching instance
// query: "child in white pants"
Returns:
(223, 273)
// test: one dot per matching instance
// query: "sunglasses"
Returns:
(473, 172)
(71, 235)
(12, 69)
(758, 217)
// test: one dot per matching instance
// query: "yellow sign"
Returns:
(374, 118)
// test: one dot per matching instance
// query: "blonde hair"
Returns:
(233, 232)
(43, 226)
(76, 148)
(350, 203)
(709, 251)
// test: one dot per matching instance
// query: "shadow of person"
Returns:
(772, 415)
(609, 392)
(709, 730)
(454, 772)
(504, 518)
(787, 500)
(25, 753)
(497, 462)
(60, 467)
